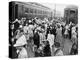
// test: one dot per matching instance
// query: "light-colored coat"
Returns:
(51, 40)
(23, 53)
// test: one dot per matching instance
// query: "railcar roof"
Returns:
(32, 3)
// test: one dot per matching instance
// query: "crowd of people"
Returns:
(39, 38)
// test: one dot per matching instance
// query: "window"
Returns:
(72, 11)
(43, 12)
(40, 12)
(27, 10)
(35, 11)
(31, 10)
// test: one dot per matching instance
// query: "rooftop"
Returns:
(32, 3)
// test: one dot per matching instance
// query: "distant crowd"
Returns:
(39, 38)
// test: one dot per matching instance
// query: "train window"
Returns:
(40, 12)
(66, 12)
(43, 12)
(27, 10)
(35, 11)
(46, 12)
(72, 12)
(31, 10)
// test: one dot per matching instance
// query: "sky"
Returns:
(59, 7)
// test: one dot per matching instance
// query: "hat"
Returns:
(16, 19)
(43, 30)
(20, 26)
(30, 21)
(21, 41)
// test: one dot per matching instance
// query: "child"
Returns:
(57, 50)
(74, 49)
(46, 50)
(39, 51)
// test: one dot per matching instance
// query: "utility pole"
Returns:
(54, 10)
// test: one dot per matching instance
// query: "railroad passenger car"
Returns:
(28, 10)
(71, 14)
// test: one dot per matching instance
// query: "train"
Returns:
(71, 14)
(28, 10)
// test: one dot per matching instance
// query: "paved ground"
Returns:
(66, 45)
